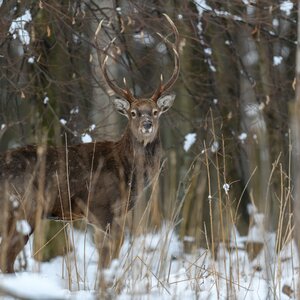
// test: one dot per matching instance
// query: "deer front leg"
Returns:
(108, 243)
(107, 236)
(102, 242)
(102, 221)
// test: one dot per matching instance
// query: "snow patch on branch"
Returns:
(242, 137)
(62, 121)
(189, 140)
(277, 60)
(201, 7)
(214, 147)
(286, 6)
(17, 28)
(226, 188)
(31, 59)
(86, 138)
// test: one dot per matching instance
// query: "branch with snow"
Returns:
(17, 28)
(189, 140)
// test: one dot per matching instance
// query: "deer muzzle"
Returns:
(147, 126)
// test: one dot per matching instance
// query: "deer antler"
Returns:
(164, 87)
(124, 93)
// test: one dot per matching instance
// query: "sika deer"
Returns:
(95, 181)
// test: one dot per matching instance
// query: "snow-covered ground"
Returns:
(154, 266)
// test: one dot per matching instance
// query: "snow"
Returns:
(242, 137)
(189, 140)
(286, 6)
(32, 286)
(144, 38)
(92, 127)
(189, 239)
(23, 227)
(46, 100)
(226, 187)
(208, 51)
(74, 110)
(275, 22)
(214, 147)
(248, 2)
(31, 60)
(63, 121)
(211, 66)
(277, 60)
(154, 265)
(76, 38)
(202, 6)
(161, 48)
(251, 209)
(250, 6)
(14, 201)
(17, 28)
(86, 138)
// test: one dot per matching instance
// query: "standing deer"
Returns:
(94, 181)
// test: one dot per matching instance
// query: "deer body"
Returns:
(96, 181)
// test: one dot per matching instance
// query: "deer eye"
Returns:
(133, 113)
(155, 112)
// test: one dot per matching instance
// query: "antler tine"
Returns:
(124, 93)
(164, 87)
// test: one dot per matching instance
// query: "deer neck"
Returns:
(142, 160)
(139, 149)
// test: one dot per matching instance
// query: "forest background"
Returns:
(229, 140)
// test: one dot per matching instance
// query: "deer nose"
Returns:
(147, 124)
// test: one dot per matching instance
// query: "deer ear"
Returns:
(122, 106)
(165, 102)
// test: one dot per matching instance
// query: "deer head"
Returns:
(144, 113)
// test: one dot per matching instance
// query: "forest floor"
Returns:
(154, 266)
